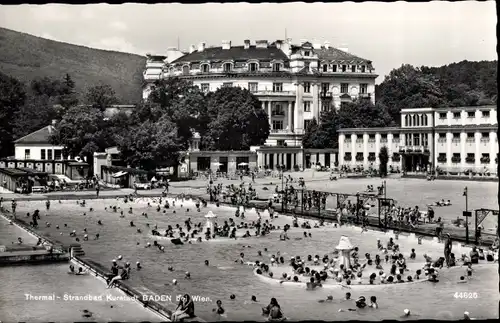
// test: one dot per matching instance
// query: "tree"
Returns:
(12, 97)
(364, 114)
(101, 97)
(237, 120)
(36, 113)
(308, 140)
(182, 102)
(68, 98)
(383, 157)
(83, 131)
(408, 87)
(46, 86)
(151, 144)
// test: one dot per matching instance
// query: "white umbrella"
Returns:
(210, 214)
(243, 164)
(154, 179)
(218, 164)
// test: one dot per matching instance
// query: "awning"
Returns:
(119, 174)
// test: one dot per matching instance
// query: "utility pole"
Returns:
(467, 214)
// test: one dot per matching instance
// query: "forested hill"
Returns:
(26, 57)
(458, 84)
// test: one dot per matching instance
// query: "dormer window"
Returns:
(353, 68)
(227, 67)
(307, 53)
(185, 69)
(363, 69)
(325, 67)
(344, 68)
(205, 68)
(276, 67)
(253, 67)
(334, 68)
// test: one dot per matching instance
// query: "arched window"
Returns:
(418, 120)
(325, 67)
(228, 67)
(205, 68)
(425, 120)
(407, 121)
(414, 121)
(422, 119)
(253, 67)
(276, 67)
(185, 70)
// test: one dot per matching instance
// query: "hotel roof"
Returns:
(41, 136)
(235, 52)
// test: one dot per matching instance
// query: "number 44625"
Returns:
(465, 295)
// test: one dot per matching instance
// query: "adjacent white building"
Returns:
(453, 139)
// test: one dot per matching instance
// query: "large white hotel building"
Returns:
(453, 139)
(294, 82)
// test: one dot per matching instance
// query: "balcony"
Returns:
(272, 93)
(365, 95)
(277, 113)
(326, 95)
(414, 149)
(281, 131)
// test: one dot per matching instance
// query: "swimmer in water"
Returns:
(329, 298)
(373, 302)
(206, 263)
(219, 310)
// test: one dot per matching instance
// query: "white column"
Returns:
(341, 148)
(299, 109)
(463, 155)
(493, 151)
(390, 137)
(365, 150)
(449, 138)
(269, 103)
(377, 148)
(354, 137)
(290, 126)
(477, 145)
(315, 107)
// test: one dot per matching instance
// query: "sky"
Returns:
(390, 34)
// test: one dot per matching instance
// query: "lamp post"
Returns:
(282, 191)
(466, 214)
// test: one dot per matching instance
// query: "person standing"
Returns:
(97, 188)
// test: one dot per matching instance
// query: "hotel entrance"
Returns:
(413, 163)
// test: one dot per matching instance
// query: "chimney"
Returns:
(278, 44)
(192, 48)
(226, 44)
(261, 43)
(247, 43)
(201, 46)
(327, 44)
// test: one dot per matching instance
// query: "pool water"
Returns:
(225, 277)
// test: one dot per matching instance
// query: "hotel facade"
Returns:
(294, 83)
(454, 140)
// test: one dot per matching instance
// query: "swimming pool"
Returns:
(225, 277)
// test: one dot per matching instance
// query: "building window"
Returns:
(325, 106)
(344, 88)
(280, 142)
(325, 87)
(307, 53)
(485, 158)
(485, 114)
(363, 69)
(395, 137)
(307, 87)
(485, 136)
(442, 115)
(277, 124)
(325, 67)
(253, 87)
(363, 88)
(307, 123)
(277, 87)
(278, 110)
(383, 137)
(49, 154)
(441, 158)
(227, 84)
(348, 157)
(334, 68)
(425, 123)
(205, 87)
(344, 68)
(456, 137)
(227, 67)
(57, 154)
(416, 139)
(307, 106)
(27, 154)
(456, 115)
(455, 158)
(353, 68)
(253, 67)
(470, 136)
(276, 67)
(371, 138)
(185, 70)
(441, 137)
(471, 114)
(42, 154)
(205, 68)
